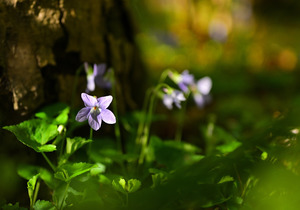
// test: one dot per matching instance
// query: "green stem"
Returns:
(91, 133)
(163, 76)
(143, 118)
(145, 136)
(49, 162)
(126, 204)
(91, 138)
(36, 190)
(144, 125)
(62, 145)
(179, 129)
(64, 196)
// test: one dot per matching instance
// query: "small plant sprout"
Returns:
(96, 76)
(95, 111)
(172, 96)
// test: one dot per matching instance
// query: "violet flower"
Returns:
(185, 80)
(173, 96)
(96, 76)
(201, 91)
(95, 111)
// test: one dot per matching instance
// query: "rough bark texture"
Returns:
(43, 42)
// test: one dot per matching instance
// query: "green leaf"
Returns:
(106, 152)
(98, 169)
(159, 177)
(63, 117)
(264, 155)
(31, 185)
(57, 110)
(35, 133)
(119, 185)
(221, 141)
(226, 179)
(13, 207)
(74, 144)
(47, 148)
(228, 147)
(27, 171)
(133, 185)
(48, 178)
(172, 154)
(67, 172)
(43, 205)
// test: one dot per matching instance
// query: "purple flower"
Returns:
(96, 76)
(201, 91)
(95, 111)
(185, 80)
(175, 96)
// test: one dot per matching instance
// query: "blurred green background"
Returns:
(250, 49)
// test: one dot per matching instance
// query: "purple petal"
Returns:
(94, 121)
(204, 85)
(99, 69)
(199, 100)
(177, 103)
(179, 95)
(102, 82)
(104, 101)
(108, 116)
(183, 87)
(187, 78)
(90, 83)
(167, 101)
(83, 114)
(89, 101)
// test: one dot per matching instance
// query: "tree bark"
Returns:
(43, 42)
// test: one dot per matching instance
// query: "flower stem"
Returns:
(145, 136)
(64, 196)
(91, 133)
(91, 138)
(143, 117)
(36, 190)
(179, 129)
(49, 162)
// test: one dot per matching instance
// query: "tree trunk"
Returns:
(43, 43)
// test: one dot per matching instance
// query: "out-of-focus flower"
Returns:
(96, 76)
(173, 96)
(218, 30)
(183, 80)
(95, 111)
(186, 80)
(201, 91)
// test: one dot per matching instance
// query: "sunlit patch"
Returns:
(287, 59)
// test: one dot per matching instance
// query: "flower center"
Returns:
(95, 110)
